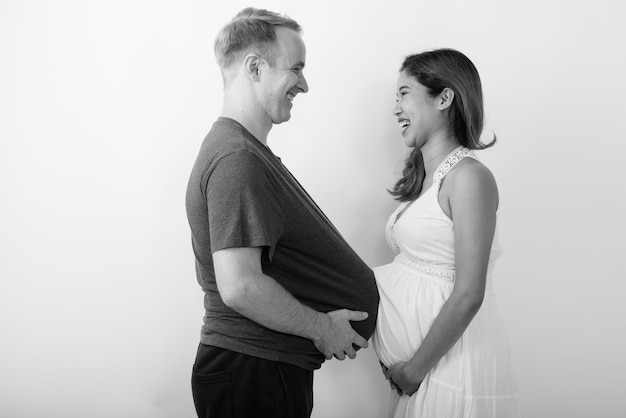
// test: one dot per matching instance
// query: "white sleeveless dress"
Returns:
(475, 378)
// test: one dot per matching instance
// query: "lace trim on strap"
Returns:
(450, 161)
(454, 157)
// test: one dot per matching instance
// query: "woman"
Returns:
(439, 336)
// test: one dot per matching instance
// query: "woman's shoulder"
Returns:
(470, 177)
(471, 170)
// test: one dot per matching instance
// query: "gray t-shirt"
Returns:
(241, 195)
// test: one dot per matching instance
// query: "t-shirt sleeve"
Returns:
(243, 204)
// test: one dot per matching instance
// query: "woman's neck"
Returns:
(435, 151)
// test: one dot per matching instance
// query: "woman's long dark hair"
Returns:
(437, 70)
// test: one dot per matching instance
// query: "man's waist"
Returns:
(258, 341)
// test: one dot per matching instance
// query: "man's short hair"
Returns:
(250, 30)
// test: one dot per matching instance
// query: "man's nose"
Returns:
(302, 84)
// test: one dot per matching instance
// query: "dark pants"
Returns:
(226, 384)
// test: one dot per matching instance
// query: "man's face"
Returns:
(282, 82)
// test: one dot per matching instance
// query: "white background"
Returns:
(103, 106)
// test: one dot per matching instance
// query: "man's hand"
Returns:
(245, 288)
(337, 336)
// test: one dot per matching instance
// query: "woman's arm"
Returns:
(473, 203)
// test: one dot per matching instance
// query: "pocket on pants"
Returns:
(208, 378)
(213, 393)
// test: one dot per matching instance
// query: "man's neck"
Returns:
(247, 113)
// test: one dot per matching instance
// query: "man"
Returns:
(281, 285)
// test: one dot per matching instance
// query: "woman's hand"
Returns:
(407, 382)
(388, 377)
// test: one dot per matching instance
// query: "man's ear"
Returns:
(445, 99)
(252, 66)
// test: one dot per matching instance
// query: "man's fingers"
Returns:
(360, 341)
(342, 356)
(342, 340)
(351, 353)
(357, 315)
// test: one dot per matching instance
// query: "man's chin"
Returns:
(285, 118)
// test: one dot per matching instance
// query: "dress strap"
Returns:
(450, 161)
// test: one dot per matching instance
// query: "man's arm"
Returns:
(245, 288)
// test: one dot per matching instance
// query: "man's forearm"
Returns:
(245, 288)
(264, 301)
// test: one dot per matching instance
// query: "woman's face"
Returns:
(418, 114)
